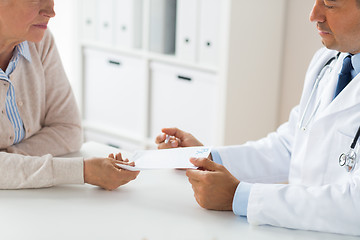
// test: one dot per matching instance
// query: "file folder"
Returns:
(162, 26)
(88, 19)
(105, 21)
(210, 16)
(187, 29)
(128, 23)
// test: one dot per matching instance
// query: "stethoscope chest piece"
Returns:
(348, 160)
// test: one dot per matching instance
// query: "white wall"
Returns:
(65, 30)
(301, 42)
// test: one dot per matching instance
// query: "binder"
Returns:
(105, 21)
(210, 15)
(162, 26)
(128, 23)
(187, 29)
(88, 19)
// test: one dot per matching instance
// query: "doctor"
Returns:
(323, 189)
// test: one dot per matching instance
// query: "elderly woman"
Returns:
(39, 116)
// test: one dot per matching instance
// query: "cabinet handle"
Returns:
(113, 145)
(114, 62)
(184, 78)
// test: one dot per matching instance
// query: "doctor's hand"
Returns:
(104, 172)
(214, 186)
(177, 138)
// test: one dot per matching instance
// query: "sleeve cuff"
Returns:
(68, 170)
(216, 157)
(241, 199)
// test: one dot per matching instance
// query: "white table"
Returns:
(157, 205)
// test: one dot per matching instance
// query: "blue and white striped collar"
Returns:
(23, 49)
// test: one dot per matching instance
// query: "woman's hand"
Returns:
(176, 138)
(104, 172)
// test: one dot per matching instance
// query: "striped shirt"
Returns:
(11, 108)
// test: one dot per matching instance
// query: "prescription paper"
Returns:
(166, 158)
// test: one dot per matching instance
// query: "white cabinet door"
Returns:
(115, 92)
(185, 99)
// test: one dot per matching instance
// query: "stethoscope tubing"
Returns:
(312, 94)
(356, 138)
(345, 160)
(326, 66)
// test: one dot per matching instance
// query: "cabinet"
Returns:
(114, 92)
(183, 98)
(215, 73)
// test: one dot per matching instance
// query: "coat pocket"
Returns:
(340, 144)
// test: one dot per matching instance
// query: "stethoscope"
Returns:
(326, 67)
(347, 160)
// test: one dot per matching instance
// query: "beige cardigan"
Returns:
(51, 119)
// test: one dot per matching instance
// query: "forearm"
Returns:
(18, 171)
(266, 160)
(329, 208)
(251, 164)
(57, 140)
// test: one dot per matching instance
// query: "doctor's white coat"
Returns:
(320, 195)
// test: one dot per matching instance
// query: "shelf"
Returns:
(148, 143)
(113, 132)
(244, 73)
(150, 56)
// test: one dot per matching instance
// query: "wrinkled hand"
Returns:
(178, 138)
(214, 186)
(104, 172)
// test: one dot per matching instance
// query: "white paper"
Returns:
(166, 158)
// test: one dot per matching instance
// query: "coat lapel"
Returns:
(347, 98)
(312, 75)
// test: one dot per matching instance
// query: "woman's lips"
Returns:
(42, 26)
